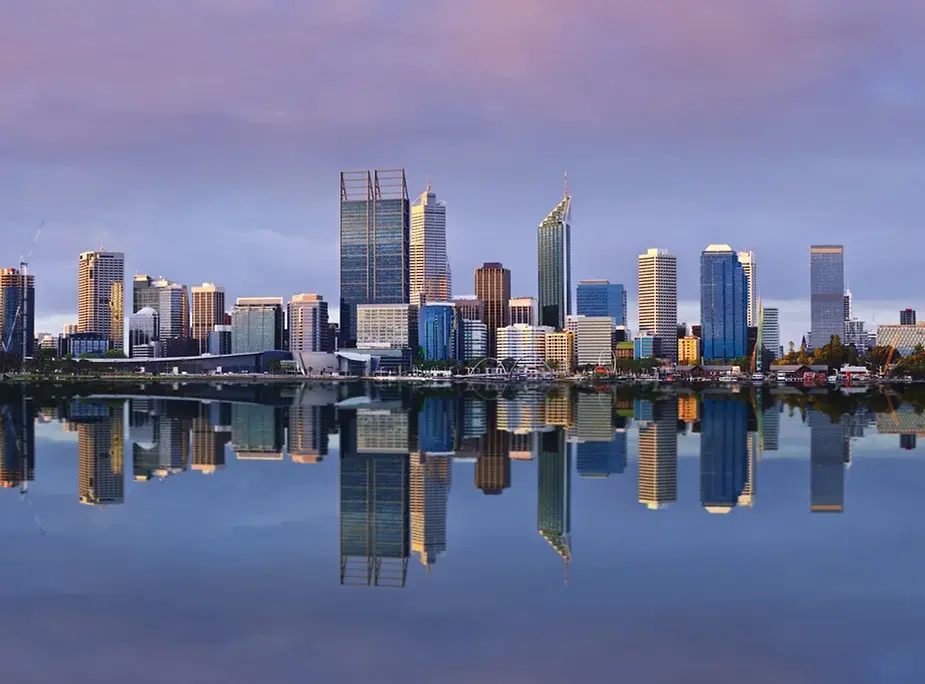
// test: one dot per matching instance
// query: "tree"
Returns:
(114, 354)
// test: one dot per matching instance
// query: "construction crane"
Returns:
(23, 307)
(889, 356)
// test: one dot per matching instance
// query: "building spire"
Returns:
(427, 189)
(566, 183)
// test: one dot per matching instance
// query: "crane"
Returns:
(23, 307)
(889, 356)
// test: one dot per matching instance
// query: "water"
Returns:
(314, 533)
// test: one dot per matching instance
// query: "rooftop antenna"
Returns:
(566, 183)
(427, 189)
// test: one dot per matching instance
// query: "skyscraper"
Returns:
(374, 243)
(430, 265)
(658, 300)
(555, 264)
(17, 312)
(308, 323)
(770, 330)
(208, 311)
(827, 290)
(493, 288)
(169, 299)
(602, 298)
(747, 259)
(256, 324)
(723, 304)
(100, 281)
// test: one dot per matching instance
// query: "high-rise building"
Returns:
(17, 312)
(907, 317)
(747, 260)
(143, 329)
(770, 330)
(658, 300)
(847, 305)
(526, 344)
(430, 265)
(439, 332)
(523, 310)
(256, 324)
(658, 453)
(207, 312)
(387, 325)
(560, 350)
(555, 264)
(308, 323)
(169, 299)
(470, 308)
(827, 292)
(723, 454)
(602, 298)
(100, 282)
(374, 243)
(474, 340)
(593, 339)
(723, 304)
(493, 288)
(688, 350)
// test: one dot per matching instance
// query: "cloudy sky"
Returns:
(204, 137)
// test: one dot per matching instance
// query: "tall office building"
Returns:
(723, 304)
(658, 453)
(770, 330)
(493, 288)
(602, 298)
(907, 317)
(430, 477)
(17, 312)
(100, 282)
(374, 243)
(848, 308)
(256, 324)
(169, 299)
(431, 280)
(554, 493)
(827, 291)
(208, 311)
(724, 471)
(554, 264)
(439, 334)
(308, 323)
(747, 260)
(470, 308)
(658, 300)
(523, 310)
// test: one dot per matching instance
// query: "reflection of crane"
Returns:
(889, 404)
(22, 448)
(23, 307)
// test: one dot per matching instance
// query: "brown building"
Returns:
(493, 466)
(493, 287)
(470, 308)
(100, 283)
(208, 311)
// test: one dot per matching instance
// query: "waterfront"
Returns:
(710, 537)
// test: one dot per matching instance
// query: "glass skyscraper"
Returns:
(438, 332)
(827, 292)
(555, 265)
(723, 304)
(602, 298)
(375, 224)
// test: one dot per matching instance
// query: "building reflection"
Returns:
(17, 444)
(257, 432)
(600, 450)
(100, 453)
(493, 465)
(209, 435)
(658, 452)
(160, 434)
(829, 451)
(554, 494)
(724, 469)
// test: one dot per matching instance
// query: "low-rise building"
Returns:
(83, 344)
(624, 349)
(644, 346)
(393, 326)
(904, 337)
(220, 340)
(593, 339)
(688, 350)
(560, 350)
(524, 343)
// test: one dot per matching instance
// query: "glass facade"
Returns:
(723, 305)
(375, 224)
(723, 452)
(438, 332)
(830, 450)
(14, 313)
(555, 266)
(827, 291)
(436, 430)
(256, 328)
(644, 347)
(602, 298)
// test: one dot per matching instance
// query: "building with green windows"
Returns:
(554, 265)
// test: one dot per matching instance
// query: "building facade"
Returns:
(438, 332)
(100, 282)
(256, 325)
(560, 350)
(644, 346)
(17, 313)
(658, 300)
(470, 308)
(688, 351)
(750, 268)
(723, 304)
(143, 329)
(555, 265)
(374, 243)
(493, 288)
(523, 310)
(208, 310)
(474, 339)
(904, 337)
(770, 331)
(593, 339)
(220, 340)
(827, 291)
(308, 323)
(907, 317)
(394, 326)
(430, 266)
(602, 298)
(524, 343)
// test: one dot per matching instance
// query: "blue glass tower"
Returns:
(723, 453)
(827, 292)
(602, 298)
(438, 332)
(375, 224)
(723, 304)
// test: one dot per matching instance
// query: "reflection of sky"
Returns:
(234, 577)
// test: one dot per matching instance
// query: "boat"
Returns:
(757, 377)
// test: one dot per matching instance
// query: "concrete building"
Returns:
(493, 288)
(219, 342)
(554, 261)
(750, 268)
(827, 291)
(430, 265)
(256, 325)
(770, 330)
(474, 340)
(17, 313)
(525, 343)
(208, 310)
(143, 329)
(593, 339)
(658, 300)
(560, 350)
(602, 298)
(688, 351)
(101, 295)
(523, 310)
(470, 308)
(308, 323)
(393, 326)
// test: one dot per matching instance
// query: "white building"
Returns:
(904, 337)
(143, 328)
(526, 343)
(430, 266)
(475, 340)
(658, 300)
(856, 334)
(770, 330)
(523, 310)
(387, 325)
(308, 323)
(593, 339)
(747, 259)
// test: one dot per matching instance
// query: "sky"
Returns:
(204, 138)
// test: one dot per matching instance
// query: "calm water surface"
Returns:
(324, 534)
